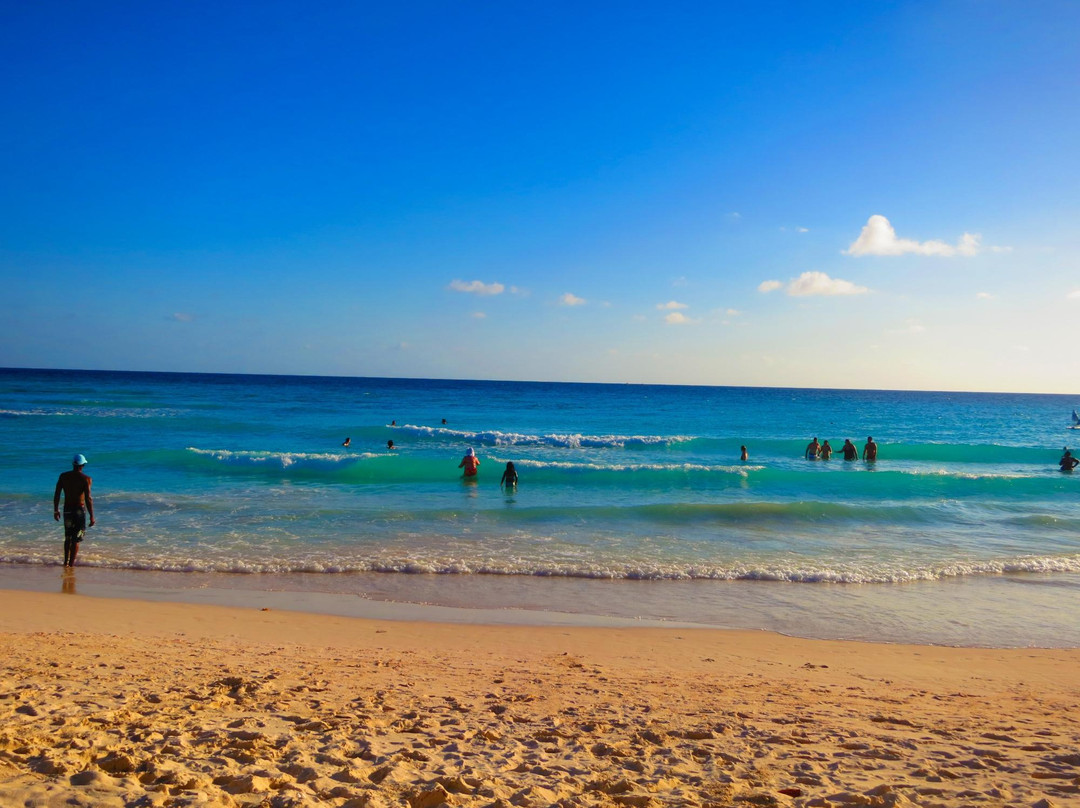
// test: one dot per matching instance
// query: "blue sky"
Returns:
(804, 194)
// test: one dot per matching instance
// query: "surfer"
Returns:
(509, 477)
(826, 450)
(77, 504)
(470, 462)
(813, 449)
(849, 450)
(1068, 462)
(869, 451)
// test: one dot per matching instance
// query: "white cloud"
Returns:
(983, 296)
(477, 287)
(802, 229)
(911, 326)
(671, 305)
(769, 286)
(1074, 294)
(478, 315)
(878, 237)
(182, 317)
(732, 312)
(818, 283)
(679, 281)
(735, 215)
(678, 318)
(571, 300)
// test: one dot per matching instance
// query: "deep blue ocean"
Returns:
(243, 481)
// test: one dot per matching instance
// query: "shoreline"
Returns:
(1006, 611)
(153, 703)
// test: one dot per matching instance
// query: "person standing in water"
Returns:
(78, 503)
(826, 450)
(849, 450)
(1068, 462)
(470, 462)
(813, 449)
(869, 451)
(509, 477)
(743, 454)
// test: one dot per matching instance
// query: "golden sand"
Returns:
(112, 702)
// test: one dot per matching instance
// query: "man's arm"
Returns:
(56, 500)
(89, 502)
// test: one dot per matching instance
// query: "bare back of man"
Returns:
(78, 504)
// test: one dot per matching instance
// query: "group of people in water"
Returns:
(471, 464)
(823, 451)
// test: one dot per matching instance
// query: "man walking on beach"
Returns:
(77, 504)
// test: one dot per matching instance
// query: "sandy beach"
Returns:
(112, 702)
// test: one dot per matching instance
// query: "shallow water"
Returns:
(632, 501)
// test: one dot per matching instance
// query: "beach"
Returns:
(107, 701)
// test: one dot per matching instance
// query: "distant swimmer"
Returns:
(78, 504)
(470, 463)
(1068, 462)
(869, 451)
(813, 449)
(849, 450)
(743, 454)
(444, 421)
(509, 478)
(393, 423)
(347, 441)
(826, 451)
(390, 445)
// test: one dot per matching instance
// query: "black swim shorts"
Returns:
(74, 525)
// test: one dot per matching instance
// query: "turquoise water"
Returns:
(244, 479)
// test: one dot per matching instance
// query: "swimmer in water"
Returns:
(470, 462)
(347, 441)
(813, 449)
(743, 454)
(390, 445)
(826, 450)
(509, 477)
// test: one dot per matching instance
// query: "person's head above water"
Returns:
(78, 460)
(469, 452)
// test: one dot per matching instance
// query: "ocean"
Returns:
(633, 503)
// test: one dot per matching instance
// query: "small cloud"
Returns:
(912, 326)
(769, 286)
(1001, 249)
(477, 287)
(878, 237)
(478, 315)
(677, 318)
(802, 229)
(811, 284)
(983, 296)
(569, 299)
(639, 318)
(735, 216)
(1074, 294)
(732, 312)
(671, 305)
(182, 317)
(680, 281)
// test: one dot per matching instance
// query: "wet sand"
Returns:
(119, 702)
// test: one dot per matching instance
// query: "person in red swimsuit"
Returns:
(469, 462)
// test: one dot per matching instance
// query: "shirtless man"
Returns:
(77, 504)
(869, 451)
(849, 450)
(813, 449)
